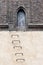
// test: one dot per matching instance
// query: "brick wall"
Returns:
(9, 8)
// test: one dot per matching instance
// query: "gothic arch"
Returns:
(21, 19)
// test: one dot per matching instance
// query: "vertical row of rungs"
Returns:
(16, 45)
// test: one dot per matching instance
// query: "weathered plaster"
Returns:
(32, 48)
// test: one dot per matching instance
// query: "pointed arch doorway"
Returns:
(21, 20)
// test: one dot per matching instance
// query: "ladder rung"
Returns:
(15, 41)
(18, 53)
(17, 47)
(14, 35)
(20, 59)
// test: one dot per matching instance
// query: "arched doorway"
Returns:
(21, 20)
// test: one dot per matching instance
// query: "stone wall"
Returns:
(32, 8)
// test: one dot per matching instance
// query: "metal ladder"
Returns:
(16, 41)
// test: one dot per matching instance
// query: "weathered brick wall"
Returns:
(33, 9)
(37, 11)
(3, 11)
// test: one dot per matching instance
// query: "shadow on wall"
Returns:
(30, 28)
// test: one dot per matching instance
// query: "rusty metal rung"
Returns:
(15, 35)
(18, 53)
(17, 46)
(20, 59)
(16, 41)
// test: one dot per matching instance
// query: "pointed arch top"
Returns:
(21, 19)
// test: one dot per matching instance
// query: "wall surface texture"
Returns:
(32, 8)
(21, 48)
